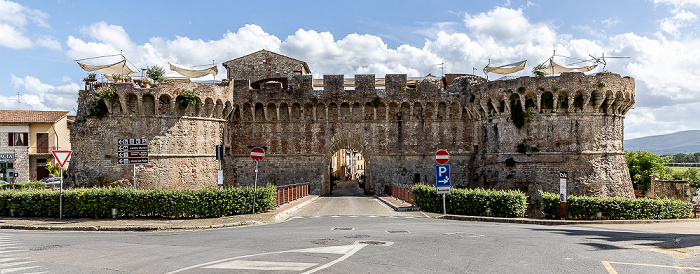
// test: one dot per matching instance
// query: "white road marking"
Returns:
(237, 263)
(262, 265)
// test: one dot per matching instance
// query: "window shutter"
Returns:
(25, 141)
(10, 139)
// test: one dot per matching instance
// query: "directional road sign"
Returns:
(442, 156)
(132, 151)
(442, 179)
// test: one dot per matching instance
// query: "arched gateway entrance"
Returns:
(351, 142)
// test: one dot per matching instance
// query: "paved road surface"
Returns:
(347, 199)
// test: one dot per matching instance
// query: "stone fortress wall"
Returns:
(571, 123)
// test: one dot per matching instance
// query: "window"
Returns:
(18, 139)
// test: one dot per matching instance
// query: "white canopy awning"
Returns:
(506, 69)
(116, 68)
(194, 73)
(554, 68)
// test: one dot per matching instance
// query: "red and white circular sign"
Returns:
(441, 156)
(257, 154)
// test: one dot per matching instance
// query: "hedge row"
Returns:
(26, 185)
(503, 203)
(585, 208)
(98, 202)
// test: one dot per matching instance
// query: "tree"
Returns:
(642, 164)
(54, 169)
(155, 72)
(536, 70)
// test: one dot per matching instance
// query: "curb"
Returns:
(285, 213)
(558, 222)
(122, 228)
(397, 208)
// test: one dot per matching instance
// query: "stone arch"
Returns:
(132, 103)
(333, 112)
(607, 101)
(345, 112)
(563, 101)
(595, 101)
(501, 104)
(530, 102)
(369, 111)
(417, 111)
(271, 112)
(308, 111)
(466, 115)
(405, 111)
(208, 108)
(148, 103)
(246, 113)
(321, 112)
(357, 111)
(442, 111)
(347, 140)
(228, 108)
(164, 104)
(617, 103)
(478, 108)
(454, 110)
(115, 105)
(579, 102)
(236, 113)
(381, 111)
(296, 112)
(219, 110)
(490, 109)
(259, 112)
(284, 112)
(547, 101)
(393, 111)
(429, 111)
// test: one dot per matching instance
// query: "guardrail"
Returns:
(288, 193)
(400, 191)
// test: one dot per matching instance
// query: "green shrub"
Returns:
(585, 207)
(503, 203)
(98, 202)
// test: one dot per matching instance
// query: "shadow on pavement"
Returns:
(347, 188)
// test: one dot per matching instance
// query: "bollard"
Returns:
(114, 213)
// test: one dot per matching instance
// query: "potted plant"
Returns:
(90, 78)
(117, 78)
(155, 72)
(127, 79)
(146, 83)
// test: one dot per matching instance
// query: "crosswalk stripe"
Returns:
(10, 270)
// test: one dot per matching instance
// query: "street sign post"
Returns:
(562, 195)
(442, 183)
(61, 157)
(132, 152)
(257, 154)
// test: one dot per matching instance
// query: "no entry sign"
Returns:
(441, 156)
(257, 153)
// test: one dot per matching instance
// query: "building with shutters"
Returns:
(26, 141)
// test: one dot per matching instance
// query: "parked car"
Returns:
(3, 182)
(52, 182)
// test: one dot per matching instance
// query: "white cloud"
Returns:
(14, 19)
(678, 3)
(41, 96)
(507, 25)
(680, 19)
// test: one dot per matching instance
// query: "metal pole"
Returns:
(60, 198)
(255, 185)
(444, 208)
(134, 176)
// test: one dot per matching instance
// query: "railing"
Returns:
(41, 150)
(288, 193)
(400, 191)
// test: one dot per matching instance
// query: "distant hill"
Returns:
(679, 142)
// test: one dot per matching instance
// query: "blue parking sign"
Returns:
(442, 179)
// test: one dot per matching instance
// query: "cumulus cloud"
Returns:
(37, 95)
(14, 19)
(680, 19)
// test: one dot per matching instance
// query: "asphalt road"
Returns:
(371, 241)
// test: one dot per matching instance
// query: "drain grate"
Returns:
(376, 243)
(356, 236)
(324, 241)
(343, 228)
(44, 247)
(463, 234)
(396, 231)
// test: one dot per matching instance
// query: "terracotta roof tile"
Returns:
(31, 116)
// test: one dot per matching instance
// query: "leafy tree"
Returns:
(536, 70)
(642, 164)
(54, 169)
(155, 72)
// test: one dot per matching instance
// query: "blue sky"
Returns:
(39, 40)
